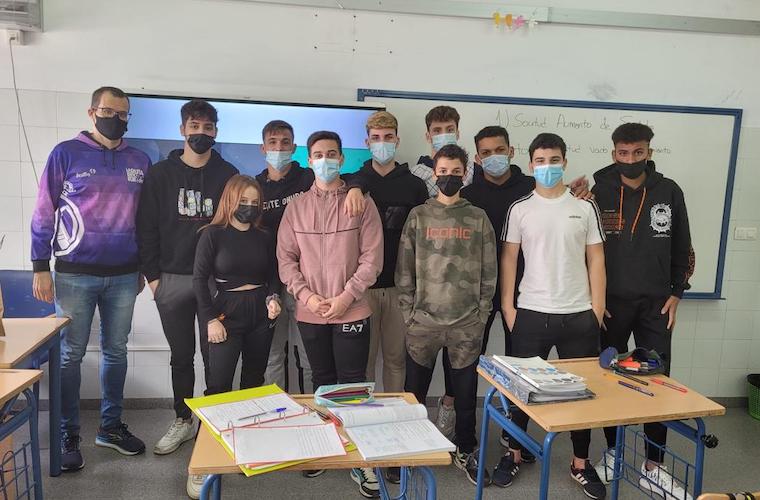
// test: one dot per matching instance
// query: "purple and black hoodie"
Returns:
(86, 208)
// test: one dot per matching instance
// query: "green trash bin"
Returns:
(753, 388)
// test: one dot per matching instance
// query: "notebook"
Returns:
(398, 430)
(250, 411)
(542, 375)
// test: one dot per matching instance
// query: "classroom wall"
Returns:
(242, 49)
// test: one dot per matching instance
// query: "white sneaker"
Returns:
(446, 419)
(366, 478)
(180, 431)
(194, 485)
(605, 467)
(660, 482)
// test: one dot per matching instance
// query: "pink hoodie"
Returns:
(323, 251)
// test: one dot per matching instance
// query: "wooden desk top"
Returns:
(12, 382)
(210, 457)
(614, 404)
(24, 335)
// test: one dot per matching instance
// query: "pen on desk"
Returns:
(635, 388)
(631, 377)
(276, 410)
(668, 384)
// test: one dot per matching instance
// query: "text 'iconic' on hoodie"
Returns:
(176, 201)
(86, 207)
(446, 270)
(648, 250)
(321, 250)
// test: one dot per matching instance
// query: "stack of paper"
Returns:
(263, 429)
(390, 431)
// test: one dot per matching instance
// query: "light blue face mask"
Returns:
(279, 159)
(441, 140)
(496, 165)
(326, 169)
(548, 175)
(383, 152)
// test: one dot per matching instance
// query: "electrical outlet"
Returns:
(14, 36)
(745, 233)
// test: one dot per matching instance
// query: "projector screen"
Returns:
(155, 121)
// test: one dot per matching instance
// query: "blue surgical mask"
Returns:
(383, 152)
(548, 175)
(496, 165)
(326, 169)
(279, 159)
(440, 140)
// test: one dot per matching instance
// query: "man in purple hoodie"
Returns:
(85, 218)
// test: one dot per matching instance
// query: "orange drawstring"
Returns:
(638, 212)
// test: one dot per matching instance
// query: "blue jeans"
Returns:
(76, 296)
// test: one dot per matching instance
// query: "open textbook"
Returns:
(391, 431)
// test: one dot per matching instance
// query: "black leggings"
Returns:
(575, 336)
(337, 353)
(249, 333)
(650, 331)
(448, 383)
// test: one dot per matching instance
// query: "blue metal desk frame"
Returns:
(491, 412)
(212, 486)
(53, 347)
(17, 419)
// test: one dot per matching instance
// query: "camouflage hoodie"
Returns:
(446, 270)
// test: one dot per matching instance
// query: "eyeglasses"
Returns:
(110, 113)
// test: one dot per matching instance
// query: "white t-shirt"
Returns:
(553, 234)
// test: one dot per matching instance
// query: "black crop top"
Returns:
(234, 258)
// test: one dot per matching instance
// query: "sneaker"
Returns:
(180, 431)
(526, 457)
(605, 467)
(446, 419)
(120, 439)
(660, 482)
(506, 471)
(588, 478)
(366, 478)
(393, 475)
(468, 462)
(194, 485)
(71, 457)
(311, 473)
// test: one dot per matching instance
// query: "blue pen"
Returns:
(276, 410)
(637, 389)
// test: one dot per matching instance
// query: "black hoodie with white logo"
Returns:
(648, 250)
(177, 200)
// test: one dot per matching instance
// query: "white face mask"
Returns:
(279, 159)
(441, 140)
(326, 169)
(383, 152)
(496, 165)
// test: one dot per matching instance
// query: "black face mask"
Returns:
(247, 214)
(449, 184)
(631, 170)
(112, 128)
(200, 143)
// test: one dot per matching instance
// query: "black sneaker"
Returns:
(366, 478)
(589, 479)
(526, 457)
(120, 439)
(71, 457)
(393, 475)
(506, 471)
(312, 473)
(468, 462)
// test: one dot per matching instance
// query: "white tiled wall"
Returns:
(715, 344)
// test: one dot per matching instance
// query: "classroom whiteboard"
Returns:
(694, 146)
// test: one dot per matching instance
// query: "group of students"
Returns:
(391, 258)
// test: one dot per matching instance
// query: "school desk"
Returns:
(209, 457)
(24, 344)
(15, 471)
(613, 406)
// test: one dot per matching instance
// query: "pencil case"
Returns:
(345, 394)
(639, 361)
